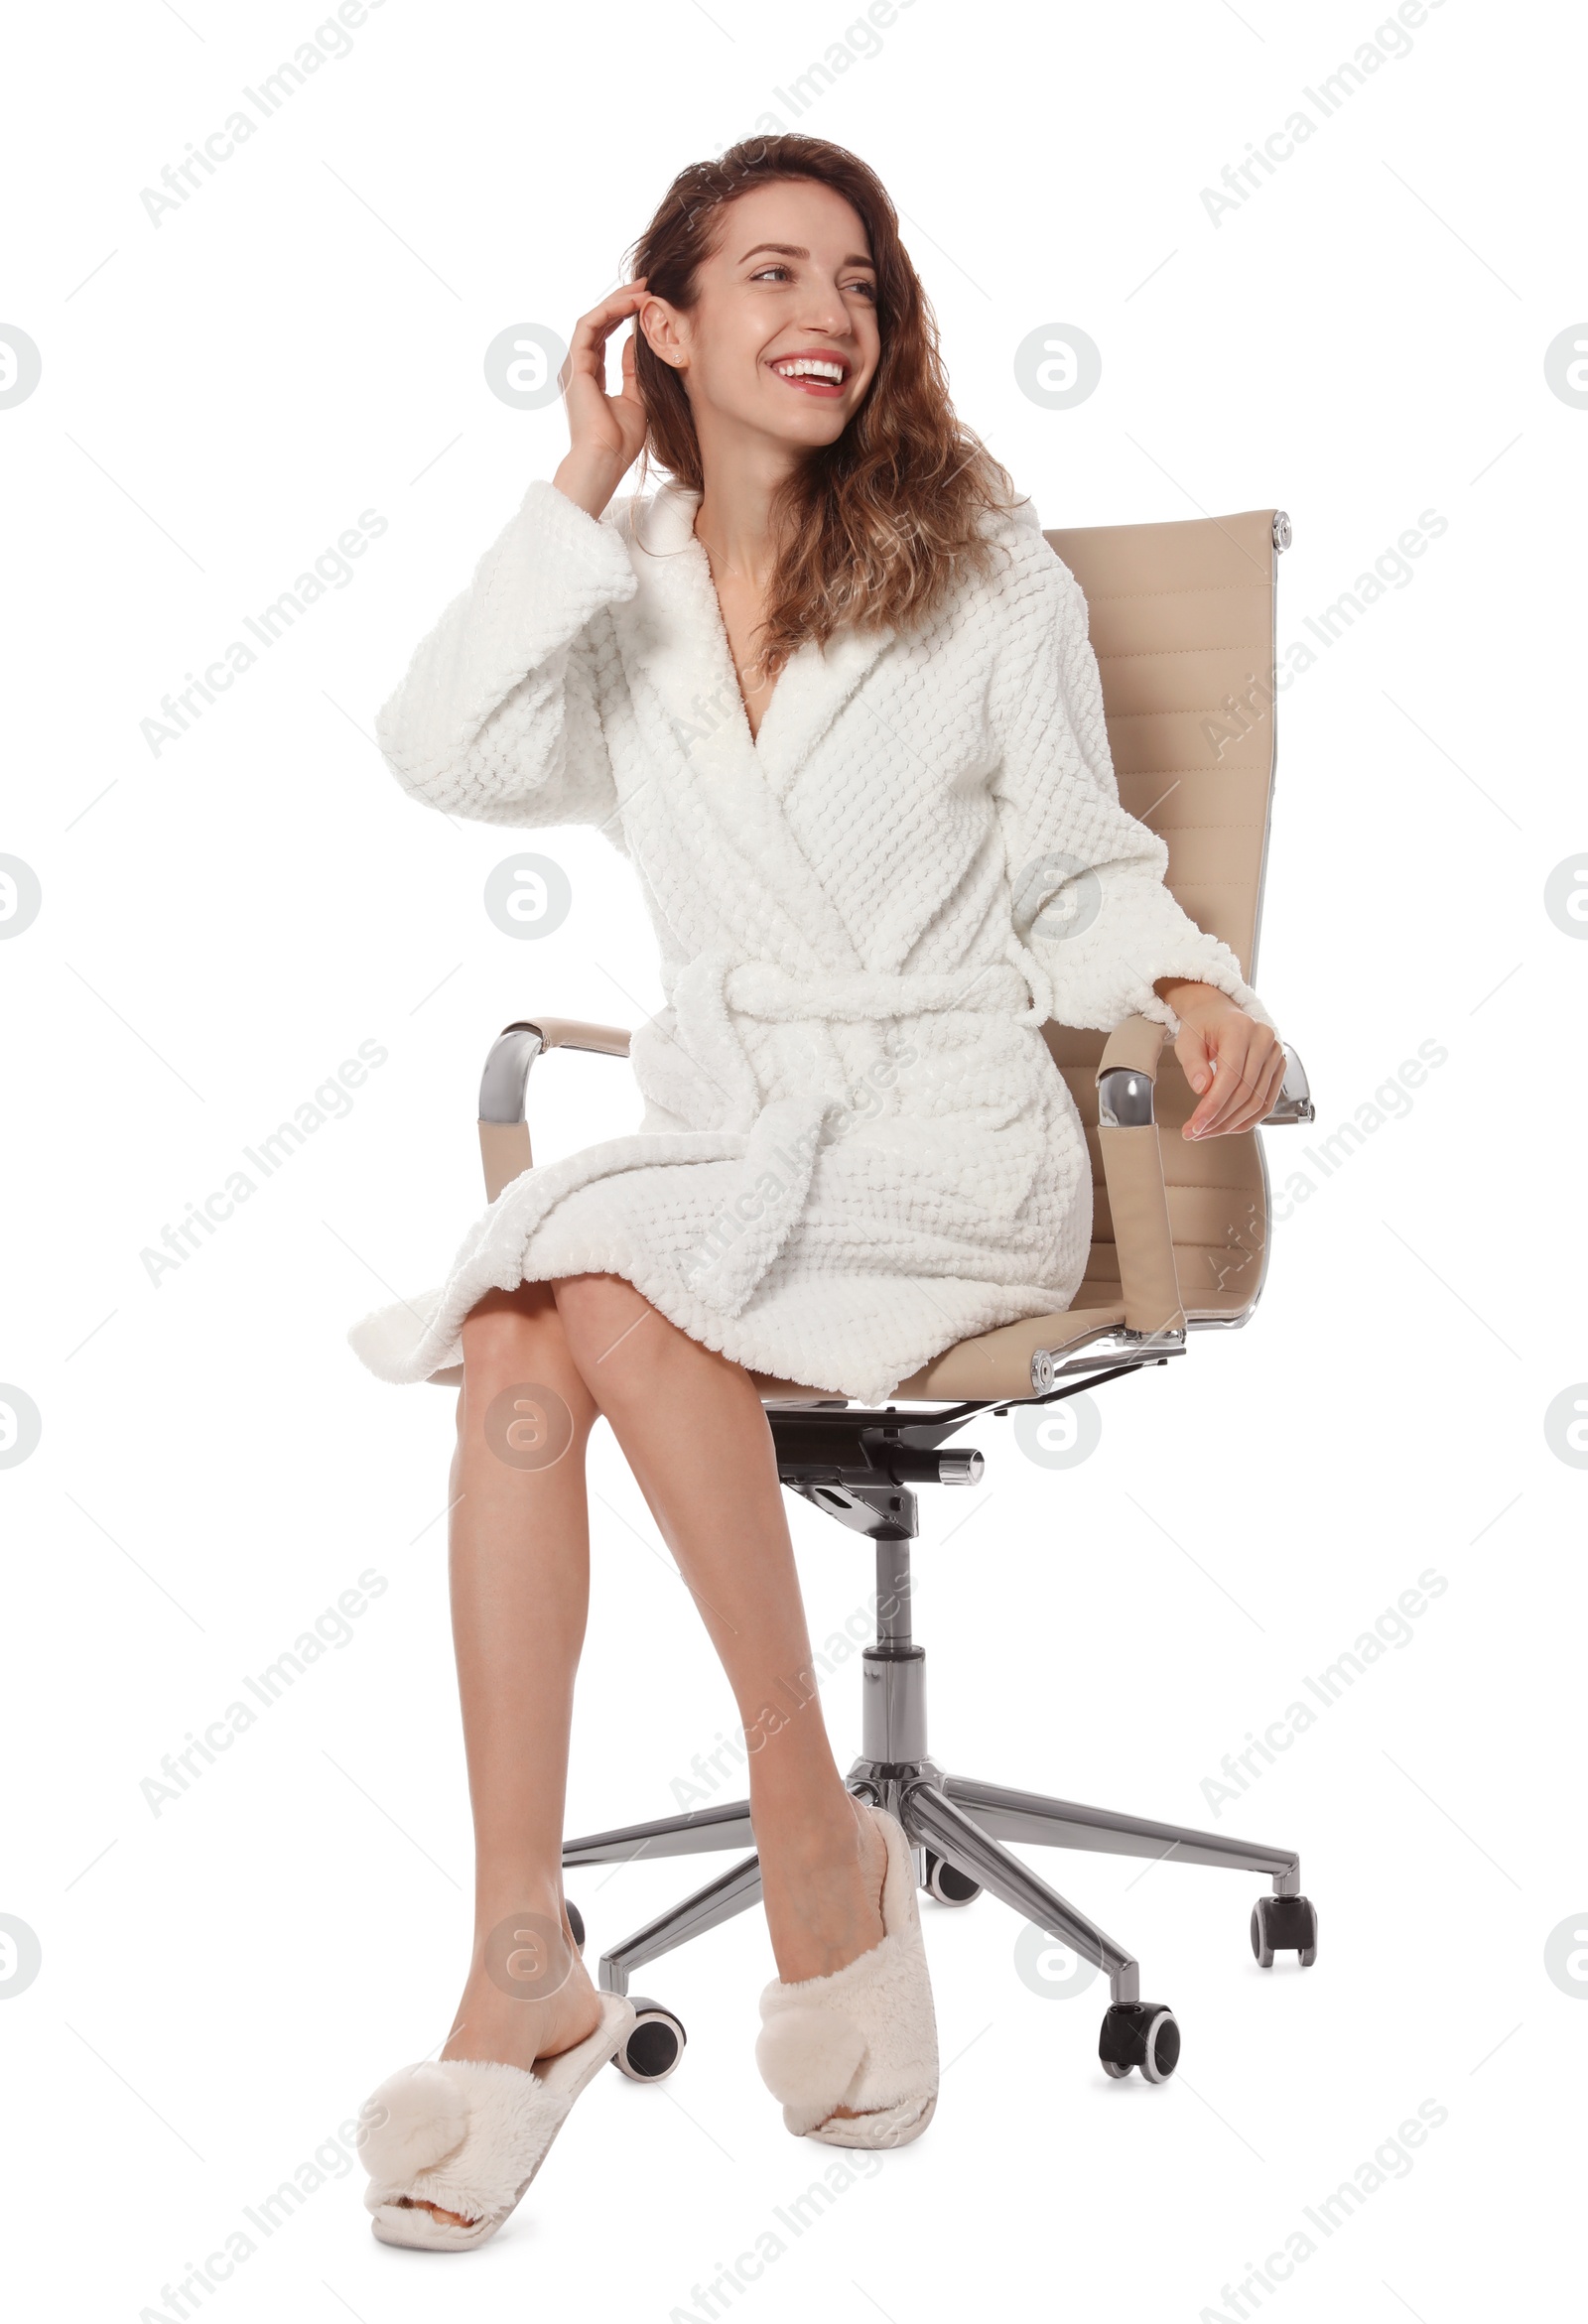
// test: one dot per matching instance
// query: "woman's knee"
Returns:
(601, 1313)
(579, 1296)
(623, 1344)
(499, 1329)
(515, 1339)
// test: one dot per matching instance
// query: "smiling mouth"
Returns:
(817, 375)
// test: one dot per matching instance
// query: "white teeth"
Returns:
(810, 367)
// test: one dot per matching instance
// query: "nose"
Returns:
(823, 310)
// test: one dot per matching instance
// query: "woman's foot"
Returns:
(850, 2046)
(528, 1997)
(451, 2147)
(822, 1882)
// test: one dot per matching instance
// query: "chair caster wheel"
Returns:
(655, 2042)
(1284, 1924)
(1140, 2033)
(576, 1921)
(948, 1883)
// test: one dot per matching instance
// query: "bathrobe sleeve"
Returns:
(500, 715)
(1089, 898)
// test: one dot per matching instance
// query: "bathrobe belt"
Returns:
(754, 1217)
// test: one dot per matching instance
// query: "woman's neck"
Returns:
(733, 520)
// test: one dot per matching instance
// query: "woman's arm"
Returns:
(499, 716)
(1089, 895)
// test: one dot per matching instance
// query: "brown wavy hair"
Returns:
(879, 527)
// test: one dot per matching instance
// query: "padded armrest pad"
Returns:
(1135, 1044)
(1132, 1168)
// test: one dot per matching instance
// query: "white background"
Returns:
(222, 394)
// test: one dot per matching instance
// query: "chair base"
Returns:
(963, 1823)
(960, 1819)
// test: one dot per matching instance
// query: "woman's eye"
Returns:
(781, 273)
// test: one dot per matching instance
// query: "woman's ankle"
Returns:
(818, 1813)
(523, 1943)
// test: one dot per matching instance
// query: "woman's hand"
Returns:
(606, 431)
(1234, 1064)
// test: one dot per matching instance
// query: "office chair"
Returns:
(1182, 621)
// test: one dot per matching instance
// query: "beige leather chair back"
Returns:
(1182, 623)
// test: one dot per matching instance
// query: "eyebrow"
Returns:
(793, 250)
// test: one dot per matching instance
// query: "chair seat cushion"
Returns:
(994, 1364)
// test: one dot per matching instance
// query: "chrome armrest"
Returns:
(1125, 1098)
(1294, 1101)
(505, 1084)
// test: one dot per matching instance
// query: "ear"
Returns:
(665, 333)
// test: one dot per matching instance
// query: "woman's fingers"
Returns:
(1196, 1059)
(1226, 1083)
(1276, 1083)
(605, 431)
(1249, 1065)
(1266, 1073)
(592, 330)
(602, 319)
(630, 360)
(1223, 1051)
(1242, 1106)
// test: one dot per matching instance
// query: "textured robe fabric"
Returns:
(856, 1150)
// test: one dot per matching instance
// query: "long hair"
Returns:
(879, 527)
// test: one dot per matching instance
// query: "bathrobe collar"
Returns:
(684, 648)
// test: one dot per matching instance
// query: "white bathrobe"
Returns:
(855, 1148)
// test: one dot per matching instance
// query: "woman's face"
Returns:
(782, 339)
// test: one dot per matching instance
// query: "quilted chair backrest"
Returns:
(1182, 623)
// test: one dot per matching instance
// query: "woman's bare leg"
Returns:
(520, 1592)
(539, 1364)
(693, 1431)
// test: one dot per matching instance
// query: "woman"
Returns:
(831, 693)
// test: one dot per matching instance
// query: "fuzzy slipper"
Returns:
(864, 2037)
(469, 2136)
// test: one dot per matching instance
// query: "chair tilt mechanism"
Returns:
(1180, 1244)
